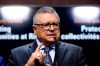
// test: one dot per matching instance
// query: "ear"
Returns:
(34, 28)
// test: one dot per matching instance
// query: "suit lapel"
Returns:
(32, 47)
(60, 52)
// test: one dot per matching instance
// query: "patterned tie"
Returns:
(47, 58)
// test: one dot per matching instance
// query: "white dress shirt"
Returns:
(51, 52)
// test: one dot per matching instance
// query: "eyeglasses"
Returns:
(47, 26)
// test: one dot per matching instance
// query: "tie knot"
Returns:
(46, 49)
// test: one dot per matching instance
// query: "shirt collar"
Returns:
(38, 43)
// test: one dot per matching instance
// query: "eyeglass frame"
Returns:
(57, 25)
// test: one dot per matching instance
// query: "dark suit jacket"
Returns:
(65, 55)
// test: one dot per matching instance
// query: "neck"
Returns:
(48, 44)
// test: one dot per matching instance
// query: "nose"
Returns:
(51, 27)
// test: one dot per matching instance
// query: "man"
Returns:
(46, 27)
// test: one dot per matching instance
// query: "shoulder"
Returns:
(1, 61)
(1, 58)
(71, 46)
(23, 47)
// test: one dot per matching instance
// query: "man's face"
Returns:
(45, 34)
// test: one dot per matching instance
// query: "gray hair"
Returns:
(45, 10)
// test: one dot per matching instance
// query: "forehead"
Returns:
(47, 18)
